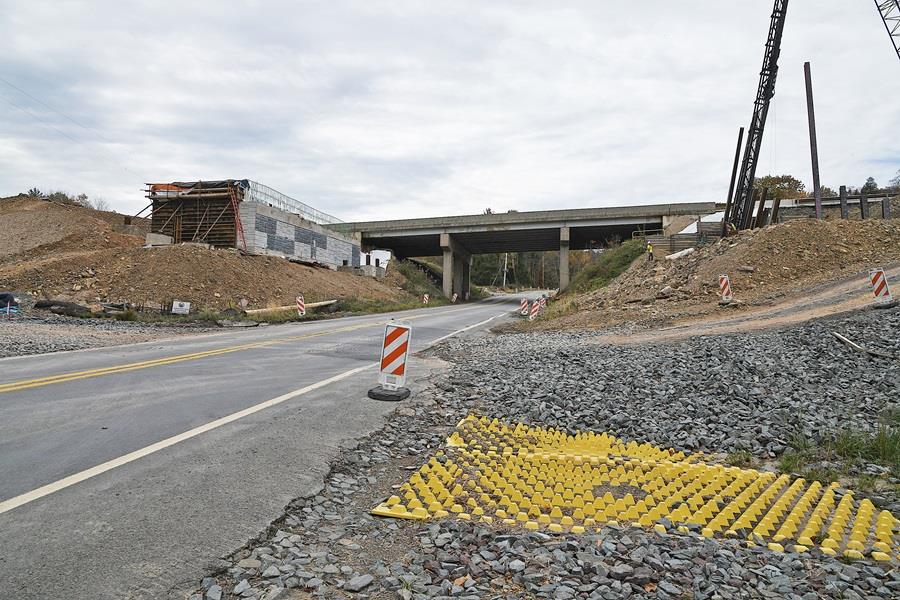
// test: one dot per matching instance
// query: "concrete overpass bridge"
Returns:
(458, 238)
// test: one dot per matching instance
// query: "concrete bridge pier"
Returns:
(457, 267)
(563, 259)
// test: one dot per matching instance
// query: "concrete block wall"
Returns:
(272, 231)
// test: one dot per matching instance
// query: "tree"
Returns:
(61, 197)
(827, 192)
(99, 204)
(895, 182)
(870, 186)
(782, 186)
(35, 193)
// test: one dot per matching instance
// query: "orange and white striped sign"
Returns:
(725, 289)
(880, 286)
(523, 308)
(301, 306)
(535, 308)
(394, 351)
(425, 298)
(543, 302)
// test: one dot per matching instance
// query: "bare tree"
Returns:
(100, 204)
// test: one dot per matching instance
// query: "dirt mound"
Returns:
(29, 225)
(87, 256)
(763, 265)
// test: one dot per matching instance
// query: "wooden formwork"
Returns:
(197, 214)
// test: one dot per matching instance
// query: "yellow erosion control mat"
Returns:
(546, 479)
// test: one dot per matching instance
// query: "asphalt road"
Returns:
(128, 472)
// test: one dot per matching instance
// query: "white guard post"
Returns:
(725, 290)
(392, 366)
(301, 306)
(881, 289)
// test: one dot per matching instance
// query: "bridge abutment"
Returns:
(457, 267)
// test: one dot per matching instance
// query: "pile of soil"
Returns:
(86, 256)
(763, 265)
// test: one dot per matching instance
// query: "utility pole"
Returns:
(505, 257)
(813, 145)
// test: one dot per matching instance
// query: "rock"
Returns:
(249, 563)
(214, 593)
(358, 583)
(242, 587)
(621, 571)
(272, 572)
(516, 566)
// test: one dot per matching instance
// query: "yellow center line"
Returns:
(158, 362)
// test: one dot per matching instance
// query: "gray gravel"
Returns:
(330, 546)
(717, 394)
(40, 332)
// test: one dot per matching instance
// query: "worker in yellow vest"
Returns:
(649, 252)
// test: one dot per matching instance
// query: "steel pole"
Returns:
(813, 145)
(734, 170)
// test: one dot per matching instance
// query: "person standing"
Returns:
(649, 252)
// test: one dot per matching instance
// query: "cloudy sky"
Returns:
(387, 109)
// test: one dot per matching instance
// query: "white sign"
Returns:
(180, 308)
(394, 351)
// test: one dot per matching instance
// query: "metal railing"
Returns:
(263, 194)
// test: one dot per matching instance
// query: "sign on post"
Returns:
(180, 308)
(301, 306)
(394, 352)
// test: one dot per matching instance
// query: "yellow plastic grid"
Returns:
(546, 479)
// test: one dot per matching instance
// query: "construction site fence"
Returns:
(263, 194)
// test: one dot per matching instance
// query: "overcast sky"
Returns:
(388, 109)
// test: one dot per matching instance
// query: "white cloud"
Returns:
(374, 109)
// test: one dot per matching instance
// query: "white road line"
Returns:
(458, 331)
(50, 488)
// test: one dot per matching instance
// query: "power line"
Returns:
(59, 112)
(47, 123)
(36, 117)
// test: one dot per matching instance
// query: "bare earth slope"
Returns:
(75, 253)
(775, 265)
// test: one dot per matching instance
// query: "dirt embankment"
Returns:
(79, 254)
(765, 266)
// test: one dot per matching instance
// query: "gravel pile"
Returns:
(716, 394)
(329, 545)
(32, 334)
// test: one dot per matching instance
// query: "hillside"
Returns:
(70, 252)
(764, 265)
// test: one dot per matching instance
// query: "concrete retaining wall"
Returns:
(275, 232)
